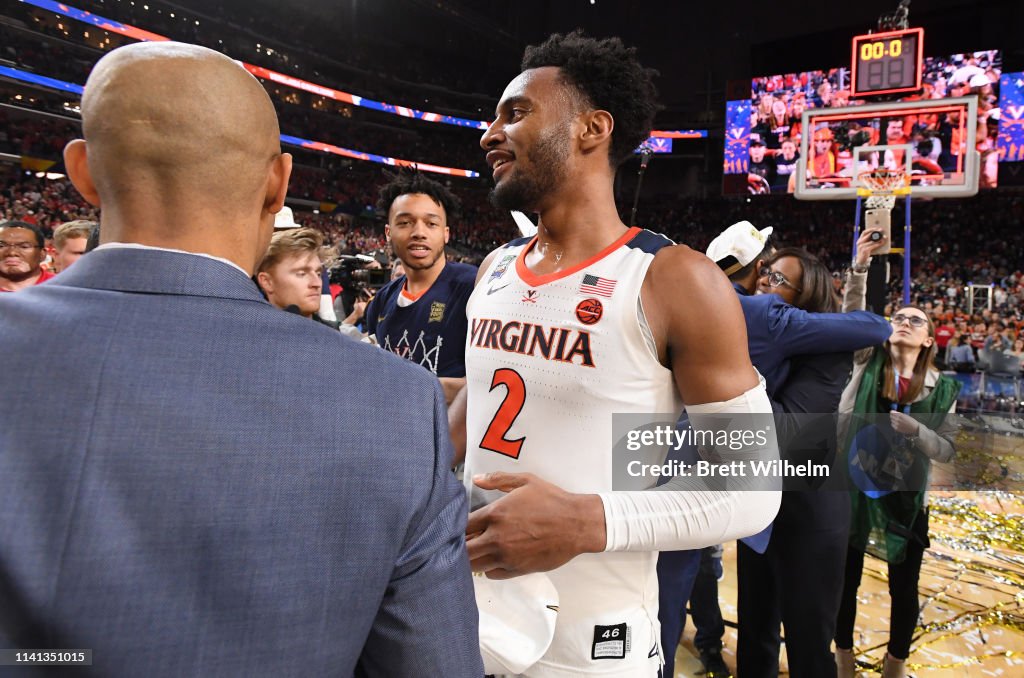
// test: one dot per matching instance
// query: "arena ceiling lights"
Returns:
(280, 78)
(126, 30)
(72, 88)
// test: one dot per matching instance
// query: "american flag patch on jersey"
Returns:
(593, 284)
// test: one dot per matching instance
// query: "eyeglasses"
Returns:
(912, 320)
(776, 279)
(21, 246)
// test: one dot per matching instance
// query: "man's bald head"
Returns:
(182, 150)
(183, 115)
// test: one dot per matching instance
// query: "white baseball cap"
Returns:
(285, 219)
(737, 246)
(979, 80)
(517, 621)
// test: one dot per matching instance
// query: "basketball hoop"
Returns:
(881, 186)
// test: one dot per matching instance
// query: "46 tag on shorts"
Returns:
(610, 642)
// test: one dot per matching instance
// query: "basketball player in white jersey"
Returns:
(587, 319)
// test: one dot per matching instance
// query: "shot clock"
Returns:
(887, 63)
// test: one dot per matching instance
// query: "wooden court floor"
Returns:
(971, 588)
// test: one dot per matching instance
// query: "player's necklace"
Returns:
(546, 250)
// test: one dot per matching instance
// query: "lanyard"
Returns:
(896, 403)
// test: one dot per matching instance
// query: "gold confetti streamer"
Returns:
(972, 584)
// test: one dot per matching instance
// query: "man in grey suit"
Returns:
(208, 505)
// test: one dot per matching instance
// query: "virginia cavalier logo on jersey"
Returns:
(530, 297)
(555, 343)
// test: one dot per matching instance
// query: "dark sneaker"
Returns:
(714, 665)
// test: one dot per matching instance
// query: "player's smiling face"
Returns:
(418, 230)
(528, 144)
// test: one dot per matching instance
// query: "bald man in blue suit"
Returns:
(180, 491)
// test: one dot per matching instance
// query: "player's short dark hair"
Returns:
(405, 183)
(40, 238)
(608, 76)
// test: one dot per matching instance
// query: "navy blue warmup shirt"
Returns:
(430, 330)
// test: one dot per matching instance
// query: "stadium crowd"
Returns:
(949, 261)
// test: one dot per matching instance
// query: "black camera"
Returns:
(351, 273)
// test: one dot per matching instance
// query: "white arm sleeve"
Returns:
(684, 513)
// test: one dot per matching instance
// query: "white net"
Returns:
(884, 201)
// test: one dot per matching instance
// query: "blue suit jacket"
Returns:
(194, 483)
(777, 332)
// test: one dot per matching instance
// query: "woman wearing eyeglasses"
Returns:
(898, 379)
(798, 578)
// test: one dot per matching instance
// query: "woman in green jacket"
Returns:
(897, 379)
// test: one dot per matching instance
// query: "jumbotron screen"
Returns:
(762, 133)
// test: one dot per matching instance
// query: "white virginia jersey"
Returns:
(549, 360)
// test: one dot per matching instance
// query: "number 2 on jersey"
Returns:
(494, 438)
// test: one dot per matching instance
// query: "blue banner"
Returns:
(737, 136)
(25, 76)
(70, 87)
(1011, 117)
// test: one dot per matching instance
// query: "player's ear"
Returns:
(447, 234)
(265, 282)
(387, 232)
(597, 129)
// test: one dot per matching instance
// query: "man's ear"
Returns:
(77, 164)
(597, 129)
(387, 232)
(277, 183)
(447, 234)
(265, 282)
